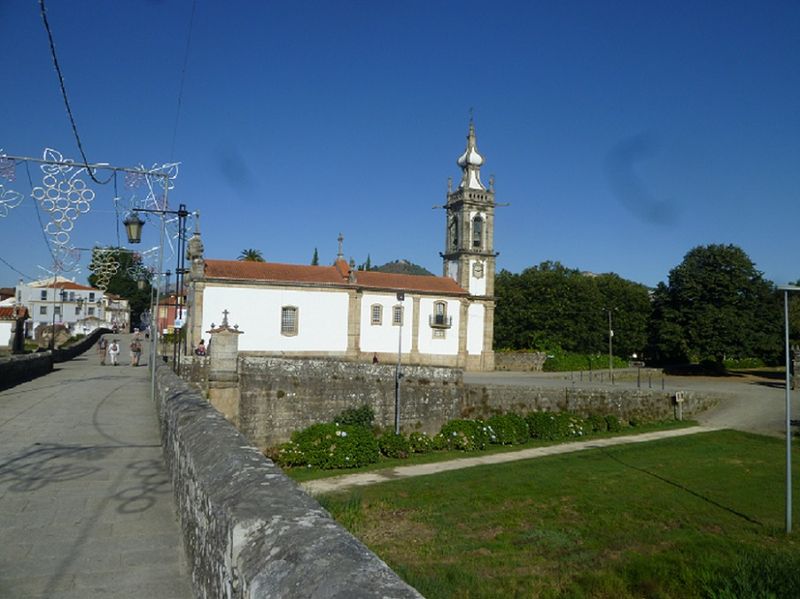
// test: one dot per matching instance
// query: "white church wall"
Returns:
(475, 329)
(6, 337)
(477, 285)
(428, 344)
(383, 337)
(322, 317)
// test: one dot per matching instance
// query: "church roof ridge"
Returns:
(328, 275)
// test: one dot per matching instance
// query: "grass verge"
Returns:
(696, 516)
(303, 474)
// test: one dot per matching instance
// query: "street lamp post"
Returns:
(398, 374)
(610, 348)
(786, 290)
(133, 228)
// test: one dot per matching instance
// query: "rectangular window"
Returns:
(43, 294)
(397, 316)
(376, 314)
(57, 310)
(91, 297)
(77, 310)
(91, 311)
(289, 320)
(43, 310)
(72, 296)
(438, 333)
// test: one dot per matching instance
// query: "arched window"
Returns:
(454, 232)
(439, 318)
(477, 232)
(376, 314)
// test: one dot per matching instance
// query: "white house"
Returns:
(60, 301)
(337, 311)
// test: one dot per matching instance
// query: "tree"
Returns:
(550, 306)
(716, 305)
(251, 255)
(315, 258)
(125, 281)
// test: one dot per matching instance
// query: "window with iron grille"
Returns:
(289, 320)
(397, 316)
(376, 314)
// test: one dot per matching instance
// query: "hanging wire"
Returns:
(43, 10)
(183, 79)
(15, 270)
(39, 216)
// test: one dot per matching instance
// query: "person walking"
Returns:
(102, 347)
(136, 351)
(113, 352)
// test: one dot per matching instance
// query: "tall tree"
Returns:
(550, 306)
(716, 305)
(315, 258)
(125, 281)
(251, 255)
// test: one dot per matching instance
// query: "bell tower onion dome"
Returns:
(470, 162)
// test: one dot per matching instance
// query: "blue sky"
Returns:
(622, 133)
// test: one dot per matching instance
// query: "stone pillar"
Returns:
(223, 372)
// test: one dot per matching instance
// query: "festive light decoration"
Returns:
(9, 199)
(64, 194)
(66, 259)
(8, 168)
(104, 265)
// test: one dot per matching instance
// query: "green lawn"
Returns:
(697, 516)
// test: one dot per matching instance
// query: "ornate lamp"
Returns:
(133, 227)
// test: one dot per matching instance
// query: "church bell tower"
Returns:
(469, 256)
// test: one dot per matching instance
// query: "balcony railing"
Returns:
(440, 321)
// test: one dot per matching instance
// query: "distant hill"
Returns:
(404, 267)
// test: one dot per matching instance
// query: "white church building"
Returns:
(342, 313)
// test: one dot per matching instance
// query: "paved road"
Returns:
(86, 507)
(747, 403)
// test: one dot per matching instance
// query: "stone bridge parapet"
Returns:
(250, 531)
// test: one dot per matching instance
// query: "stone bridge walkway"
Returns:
(86, 505)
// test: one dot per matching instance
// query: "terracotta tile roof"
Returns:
(68, 285)
(7, 312)
(241, 270)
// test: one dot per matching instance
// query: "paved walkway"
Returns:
(339, 483)
(86, 506)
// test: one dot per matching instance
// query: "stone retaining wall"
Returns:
(282, 395)
(249, 531)
(482, 401)
(519, 361)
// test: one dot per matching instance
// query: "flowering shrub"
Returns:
(552, 426)
(420, 443)
(330, 446)
(597, 423)
(509, 429)
(362, 417)
(613, 423)
(466, 435)
(394, 446)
